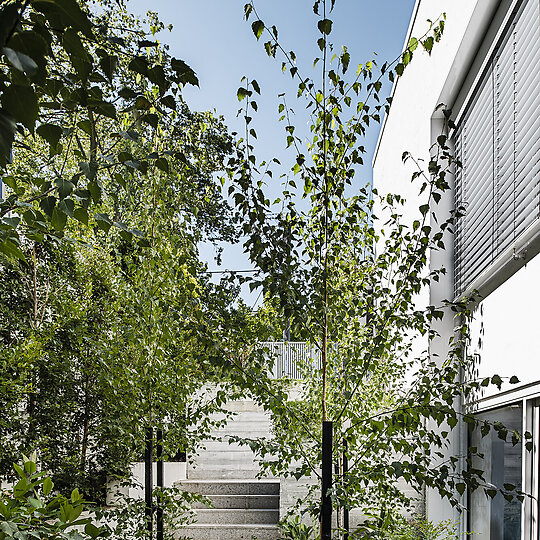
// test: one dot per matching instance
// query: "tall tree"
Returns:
(348, 286)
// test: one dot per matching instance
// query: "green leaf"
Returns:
(151, 119)
(258, 28)
(47, 486)
(59, 219)
(139, 64)
(428, 44)
(9, 14)
(75, 495)
(108, 64)
(89, 169)
(19, 470)
(81, 214)
(169, 102)
(22, 104)
(33, 45)
(157, 76)
(146, 43)
(12, 222)
(86, 126)
(8, 126)
(130, 135)
(103, 222)
(78, 55)
(95, 191)
(163, 165)
(65, 12)
(51, 133)
(514, 380)
(241, 93)
(325, 26)
(127, 93)
(20, 61)
(406, 59)
(184, 73)
(106, 109)
(47, 204)
(66, 206)
(21, 486)
(92, 530)
(30, 467)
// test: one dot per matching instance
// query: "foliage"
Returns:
(419, 528)
(53, 352)
(32, 510)
(110, 328)
(345, 269)
(294, 529)
(69, 76)
(126, 518)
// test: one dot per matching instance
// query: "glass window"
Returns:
(497, 518)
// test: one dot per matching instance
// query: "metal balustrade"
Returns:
(292, 358)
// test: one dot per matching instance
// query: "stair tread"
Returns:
(230, 526)
(229, 481)
(237, 510)
(240, 495)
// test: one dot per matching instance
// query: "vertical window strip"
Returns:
(512, 201)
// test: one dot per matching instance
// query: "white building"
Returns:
(487, 71)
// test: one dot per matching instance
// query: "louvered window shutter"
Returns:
(497, 141)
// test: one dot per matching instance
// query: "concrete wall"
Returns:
(173, 472)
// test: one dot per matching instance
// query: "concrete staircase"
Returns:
(244, 508)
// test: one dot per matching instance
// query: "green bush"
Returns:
(30, 509)
(294, 529)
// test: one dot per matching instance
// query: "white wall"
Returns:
(411, 127)
(505, 331)
(416, 95)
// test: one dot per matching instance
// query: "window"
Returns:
(496, 518)
(497, 139)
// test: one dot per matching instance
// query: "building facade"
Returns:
(486, 70)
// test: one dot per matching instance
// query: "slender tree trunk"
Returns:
(339, 473)
(324, 351)
(34, 373)
(86, 424)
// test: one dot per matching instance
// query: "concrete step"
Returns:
(237, 516)
(229, 532)
(219, 473)
(243, 405)
(223, 445)
(248, 432)
(246, 416)
(241, 501)
(225, 455)
(230, 487)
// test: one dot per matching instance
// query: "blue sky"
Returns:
(215, 40)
